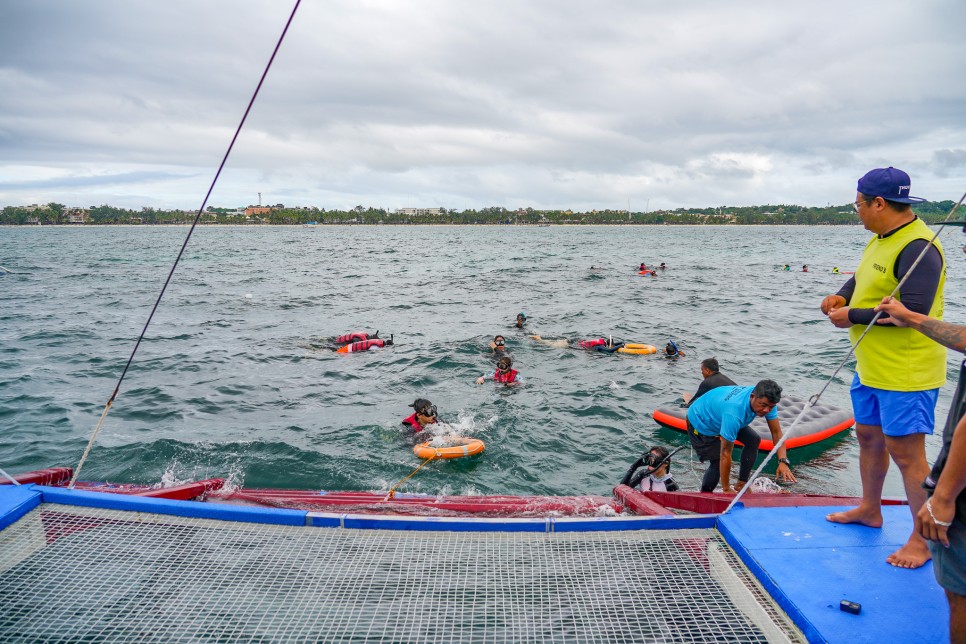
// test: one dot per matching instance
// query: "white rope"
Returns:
(90, 443)
(814, 399)
(12, 480)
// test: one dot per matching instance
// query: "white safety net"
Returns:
(85, 575)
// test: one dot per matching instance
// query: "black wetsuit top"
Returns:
(918, 292)
(717, 379)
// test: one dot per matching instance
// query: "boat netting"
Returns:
(90, 575)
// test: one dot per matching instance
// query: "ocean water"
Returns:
(236, 378)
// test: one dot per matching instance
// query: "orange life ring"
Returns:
(640, 349)
(466, 447)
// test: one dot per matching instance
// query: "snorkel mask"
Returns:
(656, 457)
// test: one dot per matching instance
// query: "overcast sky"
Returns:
(475, 103)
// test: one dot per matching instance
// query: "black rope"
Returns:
(191, 230)
(205, 202)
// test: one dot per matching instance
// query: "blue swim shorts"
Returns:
(898, 413)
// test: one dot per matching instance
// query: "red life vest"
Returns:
(510, 376)
(352, 337)
(412, 422)
(362, 345)
(590, 344)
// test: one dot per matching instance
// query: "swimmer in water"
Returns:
(505, 373)
(425, 414)
(521, 320)
(655, 477)
(671, 350)
(604, 345)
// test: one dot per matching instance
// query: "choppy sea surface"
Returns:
(236, 378)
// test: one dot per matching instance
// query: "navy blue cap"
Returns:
(892, 184)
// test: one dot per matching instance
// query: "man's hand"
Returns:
(784, 473)
(895, 313)
(832, 302)
(840, 317)
(926, 522)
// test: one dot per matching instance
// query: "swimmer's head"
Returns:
(710, 365)
(504, 363)
(521, 319)
(499, 340)
(670, 348)
(424, 408)
(657, 455)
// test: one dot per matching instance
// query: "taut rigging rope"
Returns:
(187, 238)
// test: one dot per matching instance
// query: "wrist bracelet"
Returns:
(944, 524)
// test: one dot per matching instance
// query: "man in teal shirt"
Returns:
(721, 417)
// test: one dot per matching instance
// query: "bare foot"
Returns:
(870, 518)
(912, 555)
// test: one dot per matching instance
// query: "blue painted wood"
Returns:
(810, 565)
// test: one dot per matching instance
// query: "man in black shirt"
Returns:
(712, 378)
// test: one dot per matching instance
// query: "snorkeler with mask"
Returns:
(425, 414)
(655, 475)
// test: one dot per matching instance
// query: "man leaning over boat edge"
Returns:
(721, 417)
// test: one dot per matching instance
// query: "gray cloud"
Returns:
(465, 104)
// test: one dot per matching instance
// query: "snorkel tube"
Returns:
(632, 480)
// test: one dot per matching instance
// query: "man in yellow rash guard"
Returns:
(898, 372)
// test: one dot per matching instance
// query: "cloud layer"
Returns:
(470, 104)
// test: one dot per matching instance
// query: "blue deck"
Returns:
(807, 564)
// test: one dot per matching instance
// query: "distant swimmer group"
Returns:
(806, 269)
(601, 345)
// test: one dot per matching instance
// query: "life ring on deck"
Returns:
(467, 447)
(638, 349)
